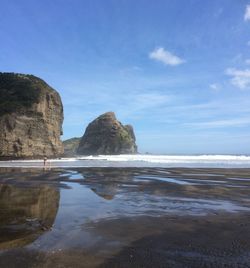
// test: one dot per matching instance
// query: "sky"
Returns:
(178, 71)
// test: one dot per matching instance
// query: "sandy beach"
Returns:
(124, 217)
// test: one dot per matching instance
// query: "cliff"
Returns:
(31, 117)
(70, 146)
(106, 135)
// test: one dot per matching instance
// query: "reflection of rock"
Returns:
(106, 182)
(25, 213)
(105, 191)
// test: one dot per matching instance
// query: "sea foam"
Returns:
(139, 160)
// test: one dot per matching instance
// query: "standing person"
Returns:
(44, 161)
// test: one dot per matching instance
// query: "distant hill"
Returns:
(70, 146)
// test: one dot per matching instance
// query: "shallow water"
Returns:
(59, 209)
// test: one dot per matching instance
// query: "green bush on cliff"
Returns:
(18, 92)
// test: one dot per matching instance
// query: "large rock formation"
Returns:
(70, 146)
(106, 135)
(31, 116)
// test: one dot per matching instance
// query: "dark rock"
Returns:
(70, 146)
(31, 116)
(106, 135)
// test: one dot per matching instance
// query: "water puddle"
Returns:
(72, 175)
(60, 216)
(145, 178)
(204, 180)
(203, 175)
(239, 179)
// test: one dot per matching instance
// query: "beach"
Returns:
(125, 134)
(124, 217)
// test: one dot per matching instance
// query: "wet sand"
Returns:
(125, 217)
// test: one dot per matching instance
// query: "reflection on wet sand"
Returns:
(25, 213)
(105, 183)
(106, 215)
(107, 192)
(210, 184)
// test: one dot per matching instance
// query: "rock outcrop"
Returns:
(31, 117)
(106, 135)
(70, 146)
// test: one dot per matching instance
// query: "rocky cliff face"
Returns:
(70, 146)
(106, 135)
(31, 117)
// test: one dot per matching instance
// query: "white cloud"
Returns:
(240, 78)
(247, 13)
(215, 86)
(166, 57)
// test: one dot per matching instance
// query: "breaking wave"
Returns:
(139, 160)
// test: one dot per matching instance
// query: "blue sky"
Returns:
(178, 71)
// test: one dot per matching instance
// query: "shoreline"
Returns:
(144, 161)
